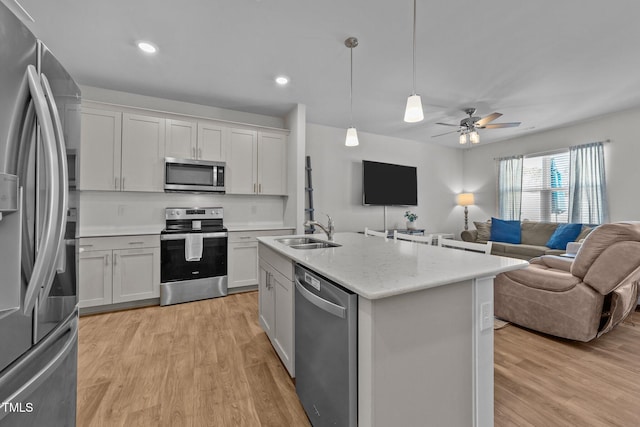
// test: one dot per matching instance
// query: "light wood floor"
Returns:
(208, 363)
(204, 363)
(546, 381)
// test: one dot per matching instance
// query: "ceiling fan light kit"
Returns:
(351, 139)
(468, 127)
(413, 112)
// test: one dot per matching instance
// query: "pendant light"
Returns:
(352, 135)
(413, 113)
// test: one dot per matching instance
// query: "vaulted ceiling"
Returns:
(544, 63)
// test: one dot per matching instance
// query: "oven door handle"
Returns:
(183, 236)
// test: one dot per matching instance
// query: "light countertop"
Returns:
(375, 268)
(257, 227)
(156, 229)
(119, 231)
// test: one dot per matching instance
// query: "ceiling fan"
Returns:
(468, 127)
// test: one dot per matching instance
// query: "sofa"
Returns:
(533, 238)
(578, 299)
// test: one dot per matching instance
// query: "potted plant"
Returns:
(411, 220)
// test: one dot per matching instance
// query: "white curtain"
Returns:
(587, 186)
(509, 187)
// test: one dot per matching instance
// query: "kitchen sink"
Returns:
(306, 243)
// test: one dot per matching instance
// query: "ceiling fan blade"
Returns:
(491, 117)
(447, 124)
(446, 133)
(502, 125)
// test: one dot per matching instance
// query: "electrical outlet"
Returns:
(486, 316)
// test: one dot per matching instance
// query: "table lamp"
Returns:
(466, 199)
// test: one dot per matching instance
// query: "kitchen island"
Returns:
(425, 326)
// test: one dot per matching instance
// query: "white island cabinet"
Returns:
(425, 326)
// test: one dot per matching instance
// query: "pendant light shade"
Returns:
(413, 113)
(463, 138)
(352, 135)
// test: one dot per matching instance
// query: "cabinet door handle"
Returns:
(115, 257)
(106, 260)
(193, 152)
(123, 182)
(115, 184)
(136, 243)
(199, 153)
(254, 187)
(244, 237)
(259, 188)
(268, 280)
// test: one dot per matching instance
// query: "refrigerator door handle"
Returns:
(41, 376)
(61, 263)
(43, 269)
(321, 303)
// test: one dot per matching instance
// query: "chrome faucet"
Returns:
(328, 229)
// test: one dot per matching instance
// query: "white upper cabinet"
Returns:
(181, 139)
(272, 163)
(142, 153)
(123, 149)
(256, 162)
(195, 140)
(101, 137)
(242, 161)
(212, 141)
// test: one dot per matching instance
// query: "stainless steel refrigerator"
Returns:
(39, 145)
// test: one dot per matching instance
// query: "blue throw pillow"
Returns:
(505, 231)
(564, 234)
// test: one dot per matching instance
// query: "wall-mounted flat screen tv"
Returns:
(388, 184)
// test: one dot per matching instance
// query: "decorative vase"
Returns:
(411, 225)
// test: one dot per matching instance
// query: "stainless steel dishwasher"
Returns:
(326, 331)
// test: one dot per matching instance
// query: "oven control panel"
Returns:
(193, 213)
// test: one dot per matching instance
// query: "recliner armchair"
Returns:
(578, 299)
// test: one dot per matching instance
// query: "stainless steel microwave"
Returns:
(193, 176)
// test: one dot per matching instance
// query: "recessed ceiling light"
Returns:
(147, 47)
(282, 80)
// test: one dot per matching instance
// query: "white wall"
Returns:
(112, 212)
(337, 180)
(621, 162)
(296, 122)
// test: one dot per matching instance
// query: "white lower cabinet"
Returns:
(276, 304)
(118, 269)
(242, 256)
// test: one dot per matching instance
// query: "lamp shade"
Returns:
(352, 137)
(463, 138)
(413, 113)
(466, 199)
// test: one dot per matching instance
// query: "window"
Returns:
(545, 188)
(564, 186)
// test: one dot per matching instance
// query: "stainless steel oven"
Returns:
(193, 255)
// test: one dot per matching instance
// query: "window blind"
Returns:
(545, 188)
